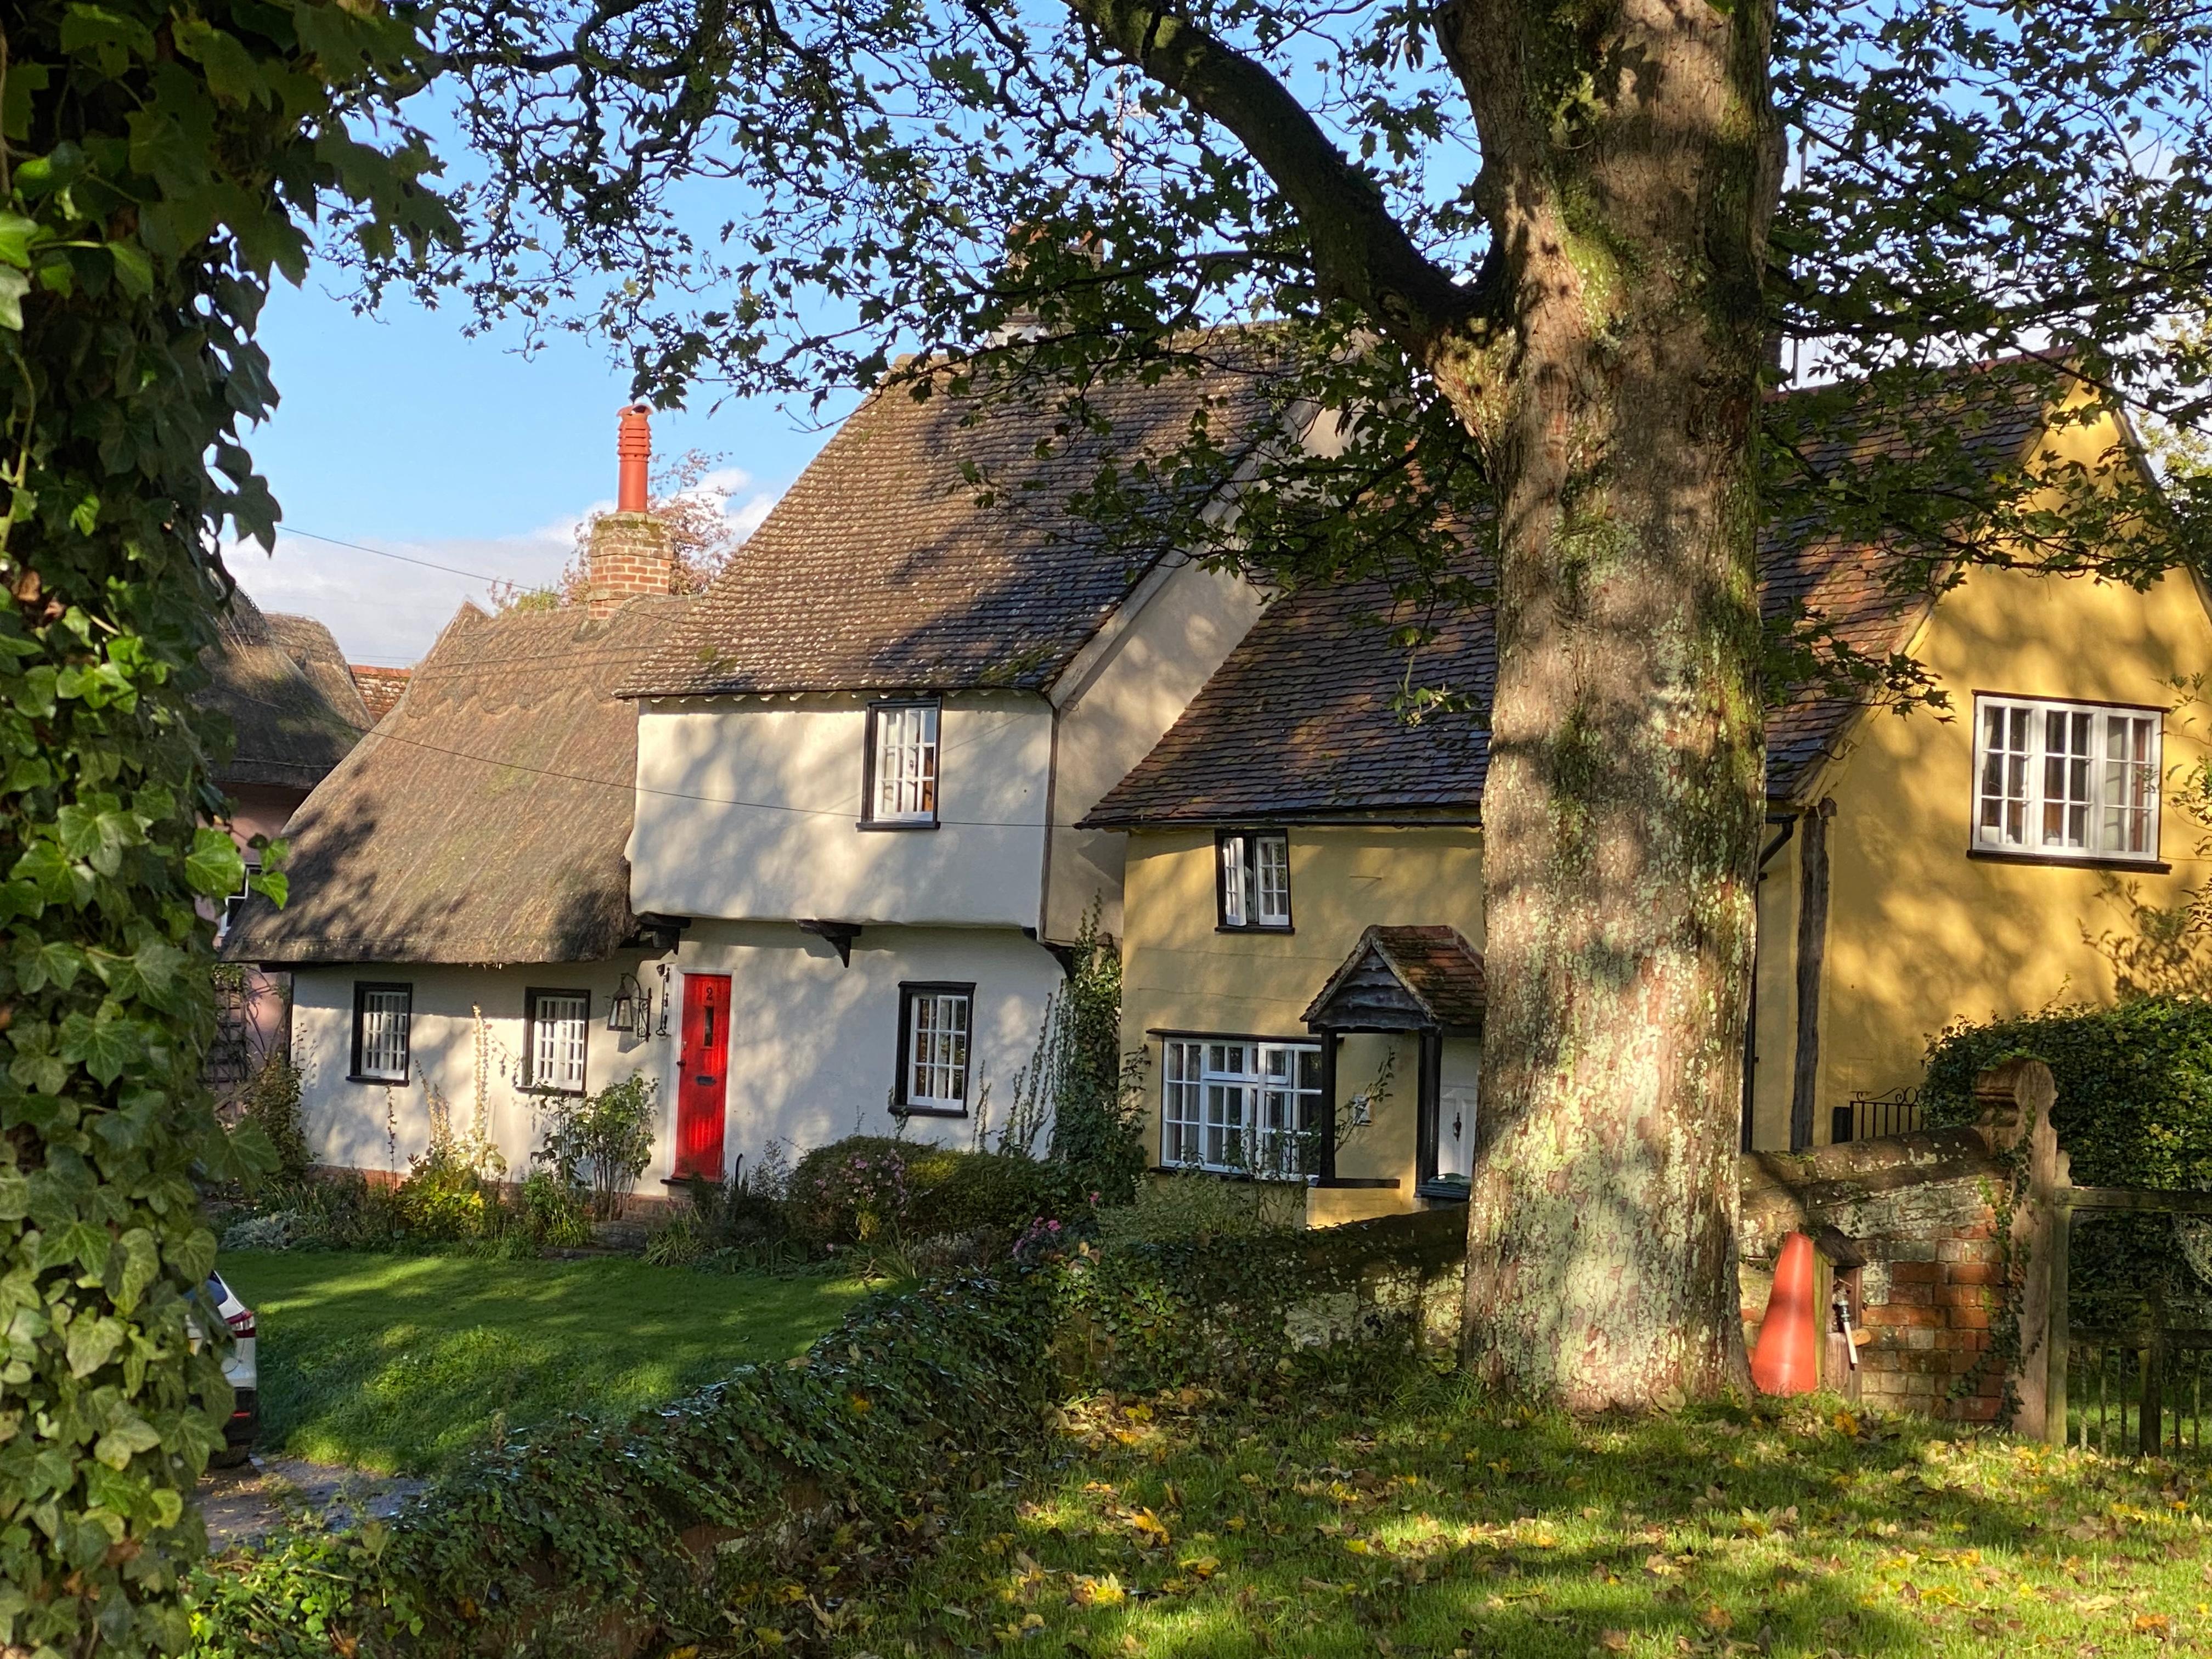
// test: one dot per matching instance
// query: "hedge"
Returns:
(873, 1188)
(2134, 1109)
(2134, 1085)
(615, 1538)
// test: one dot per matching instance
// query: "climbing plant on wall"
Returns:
(158, 164)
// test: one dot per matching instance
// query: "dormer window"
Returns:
(2065, 780)
(901, 780)
(1255, 879)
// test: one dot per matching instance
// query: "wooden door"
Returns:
(702, 1081)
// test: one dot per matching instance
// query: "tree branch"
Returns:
(1361, 253)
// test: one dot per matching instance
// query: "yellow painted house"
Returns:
(1303, 918)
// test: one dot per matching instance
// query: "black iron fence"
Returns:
(1871, 1117)
(2141, 1392)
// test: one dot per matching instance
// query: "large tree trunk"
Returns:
(1631, 166)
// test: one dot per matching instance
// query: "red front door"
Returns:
(702, 1084)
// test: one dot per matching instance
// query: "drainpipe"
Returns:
(1812, 943)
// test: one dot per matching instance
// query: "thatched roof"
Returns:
(485, 820)
(284, 686)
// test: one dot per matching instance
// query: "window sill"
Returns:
(2071, 861)
(388, 1082)
(1232, 1175)
(1450, 1192)
(895, 824)
(1254, 927)
(1357, 1183)
(929, 1111)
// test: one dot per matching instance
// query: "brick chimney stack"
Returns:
(630, 549)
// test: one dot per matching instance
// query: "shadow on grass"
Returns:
(1401, 1514)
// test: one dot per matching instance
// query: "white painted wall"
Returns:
(747, 809)
(374, 1126)
(813, 1043)
(1116, 700)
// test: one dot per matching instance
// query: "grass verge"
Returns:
(1405, 1515)
(402, 1364)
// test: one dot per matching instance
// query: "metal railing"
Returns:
(1871, 1117)
(2139, 1392)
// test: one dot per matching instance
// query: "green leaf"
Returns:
(93, 1343)
(41, 962)
(231, 72)
(215, 867)
(16, 235)
(102, 1044)
(13, 285)
(133, 270)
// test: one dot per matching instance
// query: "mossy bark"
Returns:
(1631, 165)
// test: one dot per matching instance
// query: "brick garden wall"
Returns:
(1922, 1211)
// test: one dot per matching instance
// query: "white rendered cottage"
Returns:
(863, 757)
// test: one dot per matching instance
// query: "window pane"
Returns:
(2003, 816)
(557, 1039)
(2131, 785)
(937, 1048)
(1233, 909)
(906, 762)
(1274, 879)
(1179, 1105)
(384, 1033)
(2066, 777)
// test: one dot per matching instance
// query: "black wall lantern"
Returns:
(631, 1009)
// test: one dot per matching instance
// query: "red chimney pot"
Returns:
(634, 449)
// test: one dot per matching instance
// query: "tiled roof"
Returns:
(486, 818)
(880, 569)
(1435, 965)
(1299, 721)
(380, 688)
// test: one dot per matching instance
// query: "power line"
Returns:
(427, 564)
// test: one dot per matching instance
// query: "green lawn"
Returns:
(1408, 1519)
(401, 1363)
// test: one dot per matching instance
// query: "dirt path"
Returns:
(243, 1504)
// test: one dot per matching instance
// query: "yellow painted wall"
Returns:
(1181, 973)
(1919, 934)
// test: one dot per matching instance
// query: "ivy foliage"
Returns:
(158, 163)
(2134, 1085)
(593, 1537)
(2134, 1109)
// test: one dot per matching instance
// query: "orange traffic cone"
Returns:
(1788, 1357)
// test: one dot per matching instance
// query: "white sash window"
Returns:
(903, 763)
(559, 1022)
(2065, 780)
(1255, 879)
(381, 1016)
(1239, 1106)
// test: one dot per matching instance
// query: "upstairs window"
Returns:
(901, 764)
(1256, 879)
(2065, 780)
(934, 1026)
(555, 1026)
(381, 1016)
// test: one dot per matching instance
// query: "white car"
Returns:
(242, 1371)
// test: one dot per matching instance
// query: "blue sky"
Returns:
(400, 433)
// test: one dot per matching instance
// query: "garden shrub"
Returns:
(550, 1213)
(602, 1142)
(271, 1105)
(1099, 1112)
(744, 1217)
(448, 1196)
(998, 1193)
(1189, 1205)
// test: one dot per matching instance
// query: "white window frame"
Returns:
(559, 1041)
(383, 1031)
(2066, 780)
(1238, 1105)
(1254, 882)
(902, 764)
(936, 1035)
